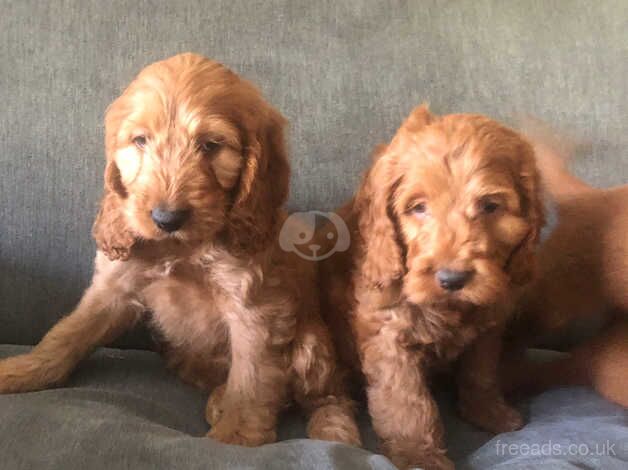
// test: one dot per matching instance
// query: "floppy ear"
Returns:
(522, 264)
(382, 262)
(262, 190)
(383, 257)
(111, 230)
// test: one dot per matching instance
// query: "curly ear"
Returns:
(383, 261)
(111, 230)
(263, 188)
(522, 264)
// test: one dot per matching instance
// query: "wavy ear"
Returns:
(383, 261)
(111, 230)
(263, 188)
(523, 263)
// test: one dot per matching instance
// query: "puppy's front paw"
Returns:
(426, 461)
(495, 416)
(213, 410)
(417, 452)
(23, 374)
(244, 427)
(334, 422)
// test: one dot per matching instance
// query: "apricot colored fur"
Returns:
(235, 311)
(583, 279)
(384, 288)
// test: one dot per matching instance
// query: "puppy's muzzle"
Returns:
(169, 221)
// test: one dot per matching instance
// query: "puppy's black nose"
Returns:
(169, 221)
(453, 280)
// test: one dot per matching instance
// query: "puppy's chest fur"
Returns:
(189, 297)
(442, 334)
(439, 334)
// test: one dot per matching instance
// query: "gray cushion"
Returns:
(123, 410)
(344, 72)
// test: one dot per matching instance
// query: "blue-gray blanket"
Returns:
(123, 410)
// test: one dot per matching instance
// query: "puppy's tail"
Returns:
(552, 155)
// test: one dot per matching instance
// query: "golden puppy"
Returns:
(196, 174)
(444, 229)
(583, 277)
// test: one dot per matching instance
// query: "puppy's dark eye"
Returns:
(208, 147)
(420, 208)
(488, 207)
(139, 141)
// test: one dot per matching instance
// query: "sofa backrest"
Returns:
(345, 74)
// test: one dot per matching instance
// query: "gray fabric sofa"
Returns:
(345, 73)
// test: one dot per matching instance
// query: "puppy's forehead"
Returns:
(459, 154)
(464, 145)
(192, 95)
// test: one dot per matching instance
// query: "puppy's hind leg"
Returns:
(101, 315)
(607, 361)
(601, 362)
(319, 386)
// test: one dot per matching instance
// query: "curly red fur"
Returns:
(583, 273)
(234, 310)
(420, 209)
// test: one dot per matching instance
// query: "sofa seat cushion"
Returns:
(123, 410)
